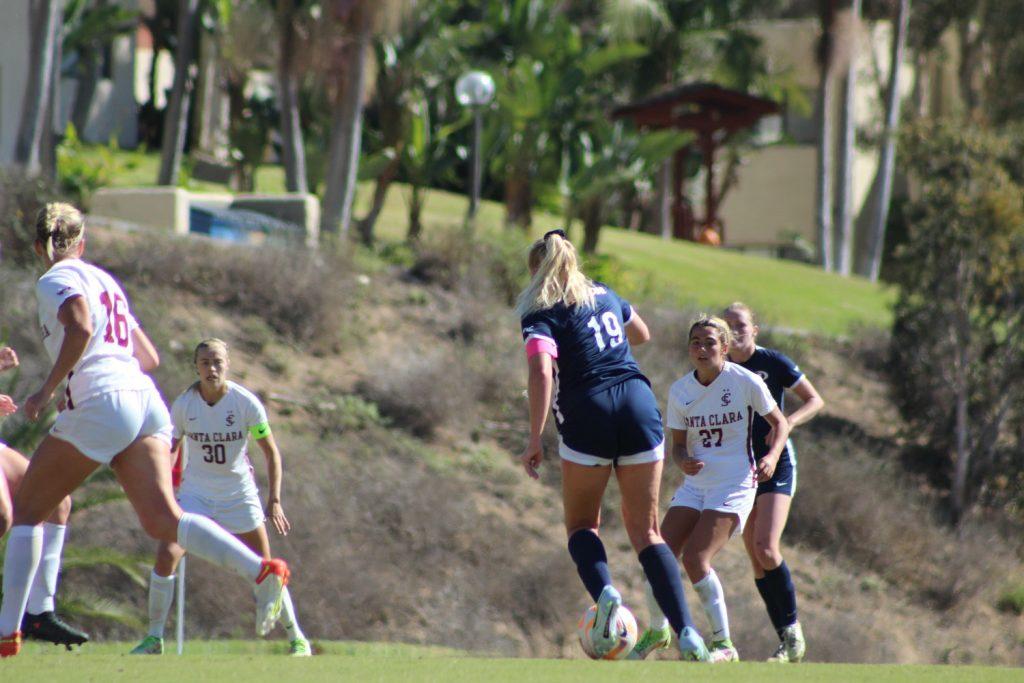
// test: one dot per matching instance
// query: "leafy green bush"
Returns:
(81, 169)
(1012, 601)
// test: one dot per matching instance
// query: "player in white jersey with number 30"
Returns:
(213, 420)
(114, 416)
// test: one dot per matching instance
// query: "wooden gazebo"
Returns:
(714, 113)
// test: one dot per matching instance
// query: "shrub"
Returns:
(21, 197)
(1012, 601)
(82, 170)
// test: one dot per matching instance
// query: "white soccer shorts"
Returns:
(738, 500)
(238, 514)
(102, 426)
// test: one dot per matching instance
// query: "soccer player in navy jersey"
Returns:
(763, 533)
(578, 335)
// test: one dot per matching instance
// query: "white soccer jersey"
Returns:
(718, 419)
(107, 364)
(216, 463)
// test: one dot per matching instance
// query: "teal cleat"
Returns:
(150, 645)
(604, 634)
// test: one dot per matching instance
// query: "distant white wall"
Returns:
(14, 47)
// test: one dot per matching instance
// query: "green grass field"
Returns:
(784, 293)
(263, 661)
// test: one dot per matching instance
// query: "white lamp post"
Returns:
(475, 89)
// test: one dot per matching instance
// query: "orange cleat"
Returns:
(10, 645)
(270, 583)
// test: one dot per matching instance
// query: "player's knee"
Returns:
(696, 565)
(160, 526)
(644, 537)
(62, 512)
(767, 554)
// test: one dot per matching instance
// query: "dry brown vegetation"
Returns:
(399, 414)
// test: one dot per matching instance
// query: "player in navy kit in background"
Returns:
(578, 335)
(763, 533)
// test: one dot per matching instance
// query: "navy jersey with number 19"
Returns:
(593, 352)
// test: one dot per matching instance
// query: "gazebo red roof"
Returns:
(698, 106)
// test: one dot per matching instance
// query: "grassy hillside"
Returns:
(396, 394)
(785, 293)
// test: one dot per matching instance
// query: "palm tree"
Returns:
(39, 89)
(876, 237)
(823, 187)
(292, 148)
(176, 119)
(848, 146)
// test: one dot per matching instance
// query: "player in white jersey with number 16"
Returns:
(213, 420)
(114, 416)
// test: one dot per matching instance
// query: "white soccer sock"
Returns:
(203, 537)
(713, 598)
(288, 618)
(44, 585)
(161, 595)
(657, 620)
(24, 546)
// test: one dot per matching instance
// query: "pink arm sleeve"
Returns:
(536, 345)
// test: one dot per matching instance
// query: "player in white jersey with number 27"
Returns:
(213, 420)
(113, 416)
(711, 414)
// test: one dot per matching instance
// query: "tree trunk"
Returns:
(823, 188)
(176, 120)
(293, 153)
(380, 193)
(848, 149)
(518, 200)
(593, 216)
(970, 63)
(45, 18)
(86, 90)
(876, 237)
(346, 128)
(51, 136)
(416, 200)
(961, 389)
(665, 200)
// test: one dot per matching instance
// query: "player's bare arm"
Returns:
(681, 455)
(539, 396)
(274, 510)
(636, 329)
(812, 403)
(779, 434)
(74, 315)
(144, 351)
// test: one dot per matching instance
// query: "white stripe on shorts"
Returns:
(653, 455)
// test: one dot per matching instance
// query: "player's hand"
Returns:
(62, 404)
(531, 457)
(8, 358)
(35, 403)
(275, 515)
(766, 468)
(691, 466)
(7, 405)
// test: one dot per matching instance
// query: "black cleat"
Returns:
(49, 627)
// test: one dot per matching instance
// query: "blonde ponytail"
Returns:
(556, 277)
(59, 228)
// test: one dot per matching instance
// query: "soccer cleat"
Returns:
(10, 645)
(779, 656)
(300, 647)
(150, 645)
(793, 639)
(692, 647)
(271, 580)
(49, 627)
(650, 640)
(723, 651)
(604, 634)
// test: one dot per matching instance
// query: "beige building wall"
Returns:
(14, 46)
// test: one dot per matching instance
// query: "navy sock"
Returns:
(662, 570)
(769, 603)
(587, 552)
(780, 587)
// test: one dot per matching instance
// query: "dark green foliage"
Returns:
(958, 331)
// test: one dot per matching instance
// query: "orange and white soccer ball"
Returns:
(625, 631)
